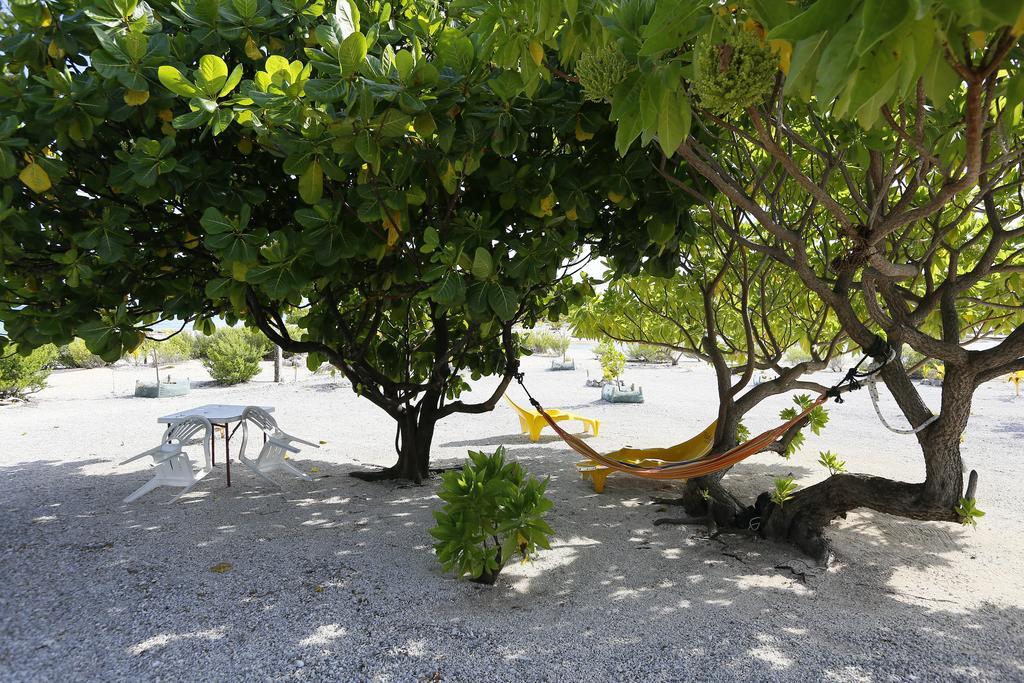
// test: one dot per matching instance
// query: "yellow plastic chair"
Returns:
(691, 449)
(531, 422)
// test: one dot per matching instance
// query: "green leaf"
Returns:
(476, 299)
(940, 80)
(450, 291)
(425, 75)
(626, 111)
(278, 280)
(673, 120)
(404, 63)
(803, 64)
(881, 17)
(134, 46)
(211, 75)
(311, 183)
(108, 64)
(221, 120)
(823, 15)
(109, 244)
(394, 123)
(834, 70)
(215, 223)
(99, 335)
(368, 149)
(772, 13)
(424, 125)
(346, 14)
(503, 301)
(483, 265)
(352, 52)
(232, 81)
(325, 89)
(8, 164)
(245, 8)
(193, 119)
(172, 79)
(456, 51)
(671, 26)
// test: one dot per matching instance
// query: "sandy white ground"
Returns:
(335, 580)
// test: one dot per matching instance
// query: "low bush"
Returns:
(927, 369)
(249, 335)
(77, 355)
(794, 355)
(233, 358)
(910, 357)
(545, 342)
(23, 375)
(650, 353)
(492, 513)
(181, 347)
(613, 362)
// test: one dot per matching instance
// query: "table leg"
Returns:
(213, 449)
(227, 450)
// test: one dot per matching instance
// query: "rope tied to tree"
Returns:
(519, 376)
(872, 383)
(854, 379)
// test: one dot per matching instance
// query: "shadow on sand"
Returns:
(339, 573)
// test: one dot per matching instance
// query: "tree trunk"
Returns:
(940, 442)
(277, 363)
(803, 519)
(415, 434)
(705, 496)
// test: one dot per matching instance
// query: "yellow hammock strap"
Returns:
(683, 470)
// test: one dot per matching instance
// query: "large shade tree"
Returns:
(876, 148)
(363, 169)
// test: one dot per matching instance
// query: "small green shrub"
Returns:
(613, 362)
(23, 375)
(545, 342)
(911, 358)
(233, 358)
(180, 347)
(933, 369)
(794, 355)
(649, 353)
(783, 491)
(492, 512)
(742, 433)
(816, 420)
(920, 367)
(249, 335)
(77, 355)
(968, 511)
(831, 462)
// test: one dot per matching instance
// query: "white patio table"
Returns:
(219, 415)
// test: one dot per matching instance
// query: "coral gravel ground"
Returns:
(336, 580)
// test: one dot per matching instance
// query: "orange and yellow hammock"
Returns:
(687, 460)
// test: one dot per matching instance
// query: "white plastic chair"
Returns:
(172, 465)
(272, 455)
